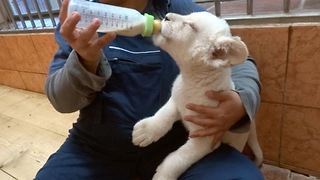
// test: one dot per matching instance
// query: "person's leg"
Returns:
(76, 161)
(225, 163)
(152, 155)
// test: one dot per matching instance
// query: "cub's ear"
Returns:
(231, 49)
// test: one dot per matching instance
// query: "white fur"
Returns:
(204, 49)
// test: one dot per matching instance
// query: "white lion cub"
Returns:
(204, 49)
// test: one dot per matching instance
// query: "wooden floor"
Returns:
(30, 130)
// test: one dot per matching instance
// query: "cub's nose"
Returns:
(166, 18)
(173, 16)
(170, 16)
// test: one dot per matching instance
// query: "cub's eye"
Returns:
(192, 25)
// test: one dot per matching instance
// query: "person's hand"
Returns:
(217, 120)
(85, 42)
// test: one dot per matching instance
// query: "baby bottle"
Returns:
(122, 21)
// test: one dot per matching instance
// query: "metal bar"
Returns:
(29, 13)
(35, 2)
(59, 3)
(16, 6)
(49, 9)
(217, 5)
(10, 15)
(2, 17)
(5, 18)
(274, 19)
(286, 6)
(11, 18)
(249, 7)
(28, 31)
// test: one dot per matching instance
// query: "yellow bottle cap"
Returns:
(156, 26)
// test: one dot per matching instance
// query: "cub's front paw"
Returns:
(145, 132)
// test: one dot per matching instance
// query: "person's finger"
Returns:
(68, 27)
(63, 11)
(90, 31)
(203, 110)
(105, 39)
(201, 120)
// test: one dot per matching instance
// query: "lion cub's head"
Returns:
(200, 38)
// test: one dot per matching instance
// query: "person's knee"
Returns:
(223, 163)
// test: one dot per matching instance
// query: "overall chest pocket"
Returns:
(133, 90)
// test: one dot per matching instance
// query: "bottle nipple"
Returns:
(152, 26)
(156, 26)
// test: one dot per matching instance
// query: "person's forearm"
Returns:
(72, 87)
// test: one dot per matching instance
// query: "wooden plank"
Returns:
(8, 96)
(34, 108)
(30, 131)
(5, 176)
(24, 148)
(5, 89)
